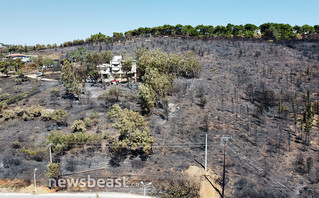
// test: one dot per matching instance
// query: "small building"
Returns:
(24, 58)
(113, 70)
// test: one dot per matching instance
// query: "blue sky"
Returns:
(55, 21)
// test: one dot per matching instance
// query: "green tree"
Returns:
(298, 29)
(17, 64)
(153, 59)
(127, 66)
(230, 28)
(116, 92)
(25, 48)
(307, 29)
(220, 30)
(250, 27)
(178, 29)
(38, 61)
(48, 62)
(4, 67)
(190, 66)
(186, 29)
(78, 55)
(238, 30)
(269, 31)
(159, 82)
(69, 79)
(135, 133)
(106, 56)
(147, 98)
(118, 35)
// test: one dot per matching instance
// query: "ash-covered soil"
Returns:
(242, 81)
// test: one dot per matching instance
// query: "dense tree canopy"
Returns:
(277, 31)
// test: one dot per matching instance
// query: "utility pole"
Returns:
(206, 154)
(224, 143)
(145, 186)
(35, 182)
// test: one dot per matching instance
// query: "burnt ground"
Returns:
(259, 161)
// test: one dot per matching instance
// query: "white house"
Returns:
(24, 58)
(113, 71)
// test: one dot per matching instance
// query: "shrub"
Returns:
(26, 117)
(16, 144)
(60, 116)
(88, 122)
(3, 105)
(35, 111)
(46, 115)
(37, 154)
(55, 92)
(64, 142)
(9, 114)
(94, 115)
(18, 81)
(203, 101)
(78, 126)
(4, 96)
(53, 170)
(19, 111)
(181, 189)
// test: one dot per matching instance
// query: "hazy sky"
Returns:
(55, 21)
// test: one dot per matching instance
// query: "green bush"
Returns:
(203, 101)
(60, 116)
(64, 142)
(134, 130)
(19, 110)
(3, 105)
(78, 126)
(53, 170)
(9, 114)
(94, 115)
(16, 144)
(38, 154)
(18, 81)
(46, 115)
(4, 96)
(26, 117)
(35, 111)
(55, 92)
(88, 122)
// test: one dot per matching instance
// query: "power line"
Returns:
(271, 178)
(256, 162)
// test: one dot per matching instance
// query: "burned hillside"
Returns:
(262, 94)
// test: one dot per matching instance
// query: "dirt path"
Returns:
(34, 76)
(206, 190)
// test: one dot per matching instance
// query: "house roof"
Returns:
(15, 55)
